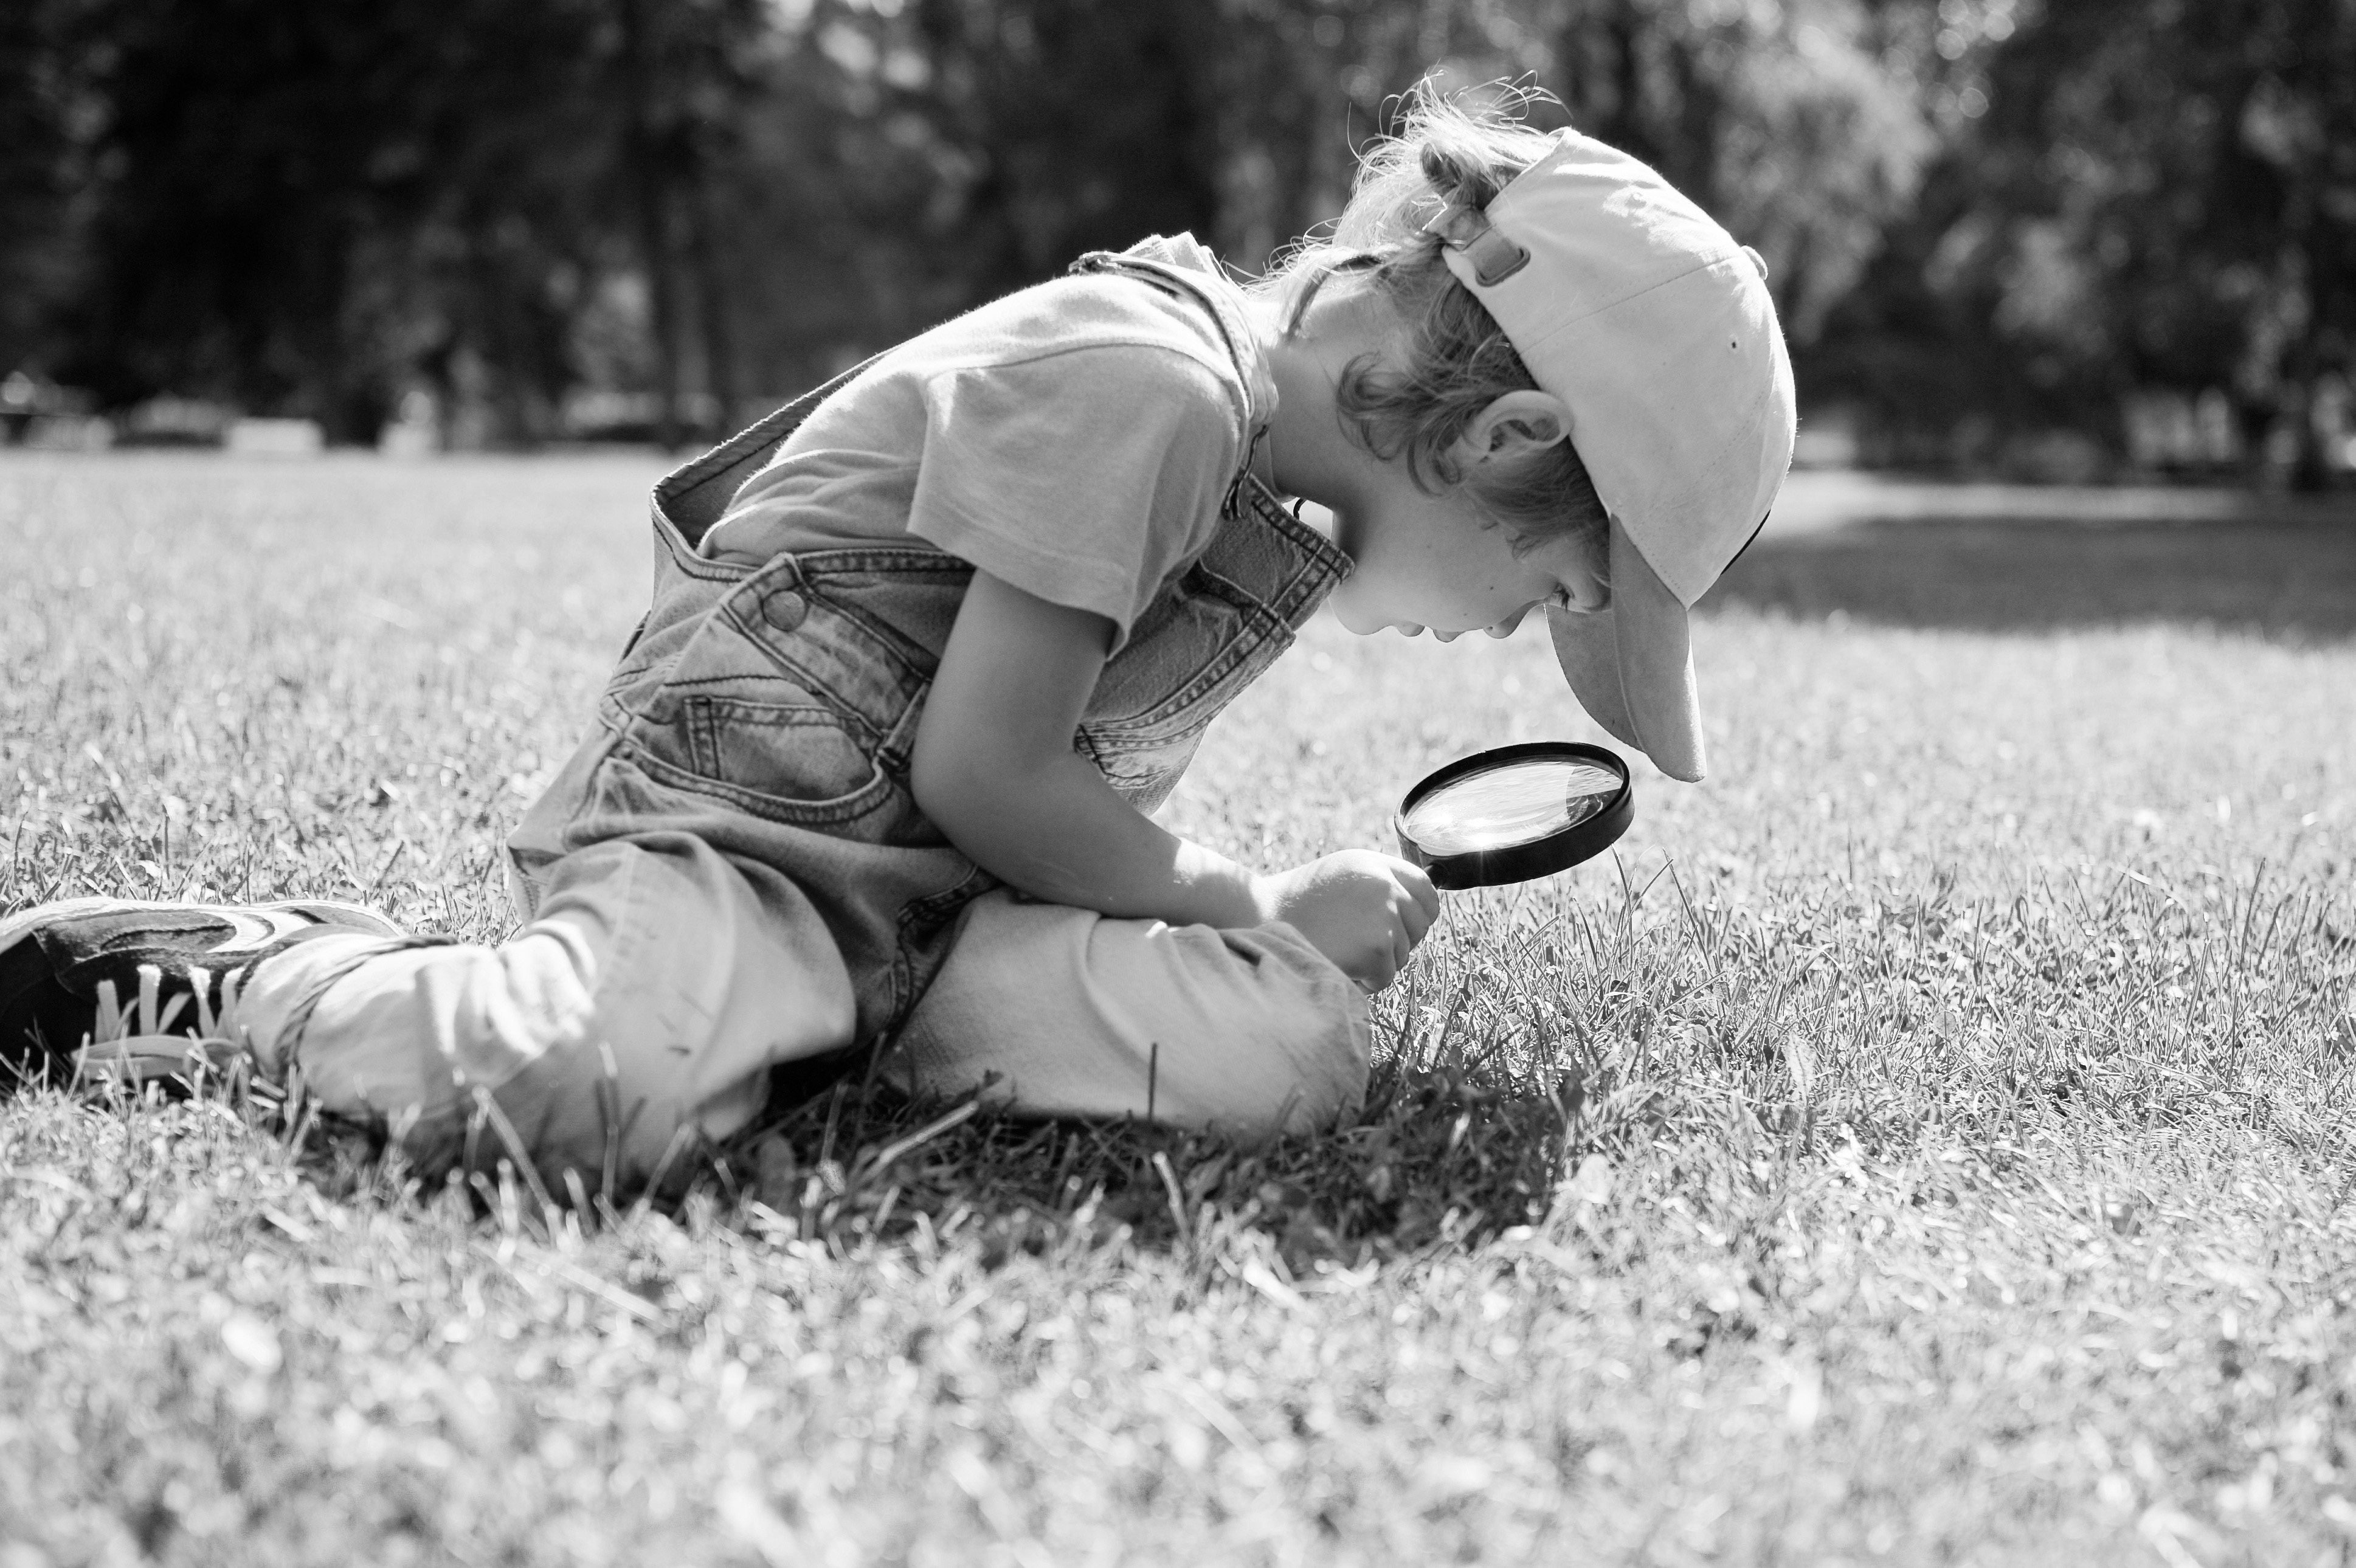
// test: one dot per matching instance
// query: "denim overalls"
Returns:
(732, 874)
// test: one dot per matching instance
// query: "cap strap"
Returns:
(1464, 227)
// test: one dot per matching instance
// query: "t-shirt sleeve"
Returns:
(1084, 477)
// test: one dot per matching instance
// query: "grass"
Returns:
(1928, 1142)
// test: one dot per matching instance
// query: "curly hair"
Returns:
(1457, 361)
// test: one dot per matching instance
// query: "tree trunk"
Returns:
(1625, 128)
(654, 228)
(716, 317)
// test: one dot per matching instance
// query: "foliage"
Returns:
(39, 100)
(2156, 195)
(2003, 213)
(292, 204)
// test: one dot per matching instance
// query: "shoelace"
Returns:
(132, 1047)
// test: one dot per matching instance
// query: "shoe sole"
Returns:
(19, 926)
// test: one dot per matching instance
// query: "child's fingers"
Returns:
(1378, 961)
(1418, 886)
(1420, 908)
(1413, 920)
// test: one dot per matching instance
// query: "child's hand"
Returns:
(1362, 910)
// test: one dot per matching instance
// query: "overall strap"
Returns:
(692, 497)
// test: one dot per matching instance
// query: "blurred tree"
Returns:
(2176, 184)
(688, 75)
(234, 168)
(822, 218)
(2135, 194)
(499, 208)
(41, 100)
(1785, 121)
(297, 200)
(1975, 210)
(907, 161)
(1088, 123)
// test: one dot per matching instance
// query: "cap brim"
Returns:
(1631, 663)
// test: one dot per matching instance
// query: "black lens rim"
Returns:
(1559, 851)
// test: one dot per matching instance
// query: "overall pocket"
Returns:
(775, 703)
(1202, 642)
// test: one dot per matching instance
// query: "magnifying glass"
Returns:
(1515, 814)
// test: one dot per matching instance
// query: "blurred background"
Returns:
(2054, 240)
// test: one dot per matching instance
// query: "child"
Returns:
(927, 644)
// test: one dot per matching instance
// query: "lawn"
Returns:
(1929, 1141)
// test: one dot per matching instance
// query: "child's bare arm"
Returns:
(994, 767)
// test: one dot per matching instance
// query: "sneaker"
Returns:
(149, 978)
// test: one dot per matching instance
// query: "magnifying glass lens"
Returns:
(1514, 803)
(1515, 814)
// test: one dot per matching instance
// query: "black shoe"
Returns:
(95, 971)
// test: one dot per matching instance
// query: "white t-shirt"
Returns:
(1076, 439)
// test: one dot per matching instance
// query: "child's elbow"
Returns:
(951, 784)
(929, 783)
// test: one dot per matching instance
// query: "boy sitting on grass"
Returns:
(927, 644)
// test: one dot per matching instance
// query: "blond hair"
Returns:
(1456, 358)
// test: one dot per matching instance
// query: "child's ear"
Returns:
(1513, 426)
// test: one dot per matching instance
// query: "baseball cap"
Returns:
(1635, 307)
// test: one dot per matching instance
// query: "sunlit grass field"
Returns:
(1929, 1141)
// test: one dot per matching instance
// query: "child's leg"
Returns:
(647, 999)
(1252, 1031)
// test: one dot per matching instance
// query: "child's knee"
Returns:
(1291, 1056)
(1059, 1012)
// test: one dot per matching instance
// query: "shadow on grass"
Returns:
(1441, 1156)
(2293, 579)
(1445, 1153)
